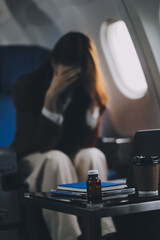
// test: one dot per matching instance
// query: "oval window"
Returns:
(122, 57)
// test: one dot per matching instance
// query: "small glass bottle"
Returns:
(94, 194)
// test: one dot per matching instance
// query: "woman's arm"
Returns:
(92, 126)
(37, 110)
(34, 132)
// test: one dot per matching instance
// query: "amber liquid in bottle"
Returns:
(94, 194)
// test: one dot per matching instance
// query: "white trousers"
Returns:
(44, 171)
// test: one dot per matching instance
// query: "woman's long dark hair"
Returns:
(77, 49)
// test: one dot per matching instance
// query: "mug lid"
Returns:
(145, 160)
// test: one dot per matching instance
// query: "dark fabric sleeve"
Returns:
(91, 135)
(34, 132)
(47, 134)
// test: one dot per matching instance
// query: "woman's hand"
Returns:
(63, 77)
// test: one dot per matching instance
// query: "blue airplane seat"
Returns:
(7, 119)
(15, 60)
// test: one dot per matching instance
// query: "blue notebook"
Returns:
(82, 186)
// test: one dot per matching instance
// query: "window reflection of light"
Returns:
(131, 79)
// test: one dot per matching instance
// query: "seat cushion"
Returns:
(7, 119)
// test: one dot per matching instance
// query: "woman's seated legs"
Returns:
(44, 171)
(47, 170)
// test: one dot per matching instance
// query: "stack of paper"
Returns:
(78, 190)
(82, 186)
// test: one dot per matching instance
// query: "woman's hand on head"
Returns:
(64, 77)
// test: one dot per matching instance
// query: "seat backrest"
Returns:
(15, 60)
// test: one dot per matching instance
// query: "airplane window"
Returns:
(118, 46)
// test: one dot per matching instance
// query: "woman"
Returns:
(59, 107)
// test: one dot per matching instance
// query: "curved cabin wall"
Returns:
(128, 115)
(43, 22)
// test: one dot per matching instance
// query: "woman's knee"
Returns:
(58, 169)
(57, 159)
(91, 154)
(90, 158)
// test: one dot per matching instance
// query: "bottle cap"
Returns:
(92, 172)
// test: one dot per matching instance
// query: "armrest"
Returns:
(8, 161)
(117, 151)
